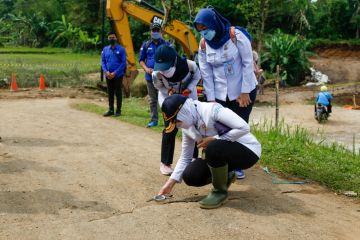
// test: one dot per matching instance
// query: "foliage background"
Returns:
(36, 19)
(77, 25)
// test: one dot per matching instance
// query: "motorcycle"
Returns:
(321, 113)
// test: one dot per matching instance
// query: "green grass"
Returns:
(59, 68)
(291, 151)
(134, 111)
(28, 50)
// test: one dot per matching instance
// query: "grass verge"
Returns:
(134, 111)
(59, 68)
(288, 150)
(293, 151)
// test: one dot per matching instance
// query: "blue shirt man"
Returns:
(113, 63)
(147, 55)
(147, 62)
(324, 98)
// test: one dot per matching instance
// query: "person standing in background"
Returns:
(113, 63)
(147, 62)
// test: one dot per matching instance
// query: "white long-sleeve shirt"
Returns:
(208, 114)
(228, 70)
(164, 86)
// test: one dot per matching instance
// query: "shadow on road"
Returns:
(36, 142)
(18, 166)
(46, 201)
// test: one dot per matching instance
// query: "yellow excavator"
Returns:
(118, 11)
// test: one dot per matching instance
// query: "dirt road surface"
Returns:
(66, 174)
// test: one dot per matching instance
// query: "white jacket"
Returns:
(228, 70)
(164, 86)
(208, 114)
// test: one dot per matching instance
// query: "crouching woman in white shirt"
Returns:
(225, 137)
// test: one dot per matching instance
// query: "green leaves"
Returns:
(290, 53)
(64, 34)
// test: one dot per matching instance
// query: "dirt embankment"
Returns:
(341, 51)
(341, 63)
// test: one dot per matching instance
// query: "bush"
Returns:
(138, 87)
(290, 53)
(321, 42)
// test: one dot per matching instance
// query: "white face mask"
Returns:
(183, 125)
(169, 73)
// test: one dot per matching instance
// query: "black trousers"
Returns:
(218, 154)
(168, 146)
(243, 112)
(114, 87)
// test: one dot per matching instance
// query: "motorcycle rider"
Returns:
(324, 98)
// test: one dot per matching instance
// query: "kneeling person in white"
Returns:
(225, 137)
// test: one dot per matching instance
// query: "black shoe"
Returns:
(117, 114)
(108, 113)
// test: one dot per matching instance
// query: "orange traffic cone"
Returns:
(13, 85)
(41, 82)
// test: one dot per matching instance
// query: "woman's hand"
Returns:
(186, 92)
(243, 99)
(205, 141)
(168, 186)
(149, 70)
(171, 91)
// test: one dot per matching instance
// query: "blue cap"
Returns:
(164, 57)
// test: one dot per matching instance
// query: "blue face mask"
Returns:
(155, 35)
(208, 34)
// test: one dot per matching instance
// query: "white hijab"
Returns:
(188, 114)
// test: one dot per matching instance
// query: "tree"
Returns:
(64, 34)
(32, 29)
(167, 11)
(300, 19)
(84, 14)
(355, 19)
(6, 6)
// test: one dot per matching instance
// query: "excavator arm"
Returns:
(118, 11)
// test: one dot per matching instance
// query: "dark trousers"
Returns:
(218, 154)
(114, 87)
(243, 112)
(168, 146)
(153, 100)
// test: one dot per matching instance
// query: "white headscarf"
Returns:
(188, 114)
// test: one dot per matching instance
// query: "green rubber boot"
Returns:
(219, 193)
(231, 179)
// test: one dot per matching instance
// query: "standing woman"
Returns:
(172, 75)
(226, 64)
(225, 137)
